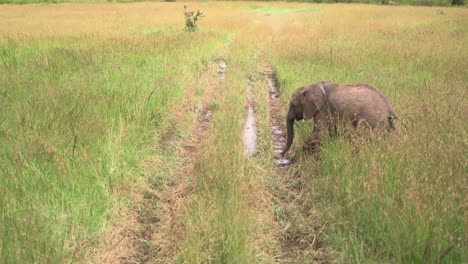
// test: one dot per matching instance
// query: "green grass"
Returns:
(75, 112)
(82, 108)
(219, 220)
(399, 199)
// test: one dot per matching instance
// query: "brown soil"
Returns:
(299, 226)
(278, 134)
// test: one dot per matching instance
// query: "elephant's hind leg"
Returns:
(391, 123)
(361, 123)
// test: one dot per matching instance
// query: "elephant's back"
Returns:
(363, 100)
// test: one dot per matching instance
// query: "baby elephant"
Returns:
(332, 104)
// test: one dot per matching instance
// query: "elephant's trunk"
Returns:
(290, 134)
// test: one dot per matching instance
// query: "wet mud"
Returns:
(278, 132)
(222, 69)
(250, 134)
(299, 226)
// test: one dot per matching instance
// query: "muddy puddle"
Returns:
(250, 134)
(278, 133)
(222, 69)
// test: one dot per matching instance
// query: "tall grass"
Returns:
(218, 218)
(74, 112)
(80, 101)
(398, 199)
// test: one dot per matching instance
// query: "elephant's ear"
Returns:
(312, 100)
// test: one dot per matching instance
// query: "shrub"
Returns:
(457, 2)
(191, 19)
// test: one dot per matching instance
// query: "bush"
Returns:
(191, 19)
(421, 2)
(457, 2)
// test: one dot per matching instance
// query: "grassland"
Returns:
(390, 201)
(90, 95)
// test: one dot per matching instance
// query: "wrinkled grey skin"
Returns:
(331, 104)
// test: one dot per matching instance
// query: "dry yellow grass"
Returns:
(128, 66)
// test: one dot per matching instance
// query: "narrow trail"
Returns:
(278, 134)
(174, 194)
(147, 231)
(154, 227)
(294, 212)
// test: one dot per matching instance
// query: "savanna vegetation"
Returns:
(99, 104)
(383, 2)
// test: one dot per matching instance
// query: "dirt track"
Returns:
(148, 232)
(299, 227)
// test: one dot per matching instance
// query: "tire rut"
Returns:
(299, 226)
(148, 227)
(175, 192)
(278, 135)
(250, 134)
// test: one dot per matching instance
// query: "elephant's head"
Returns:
(304, 104)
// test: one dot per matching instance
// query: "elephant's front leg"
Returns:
(319, 133)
